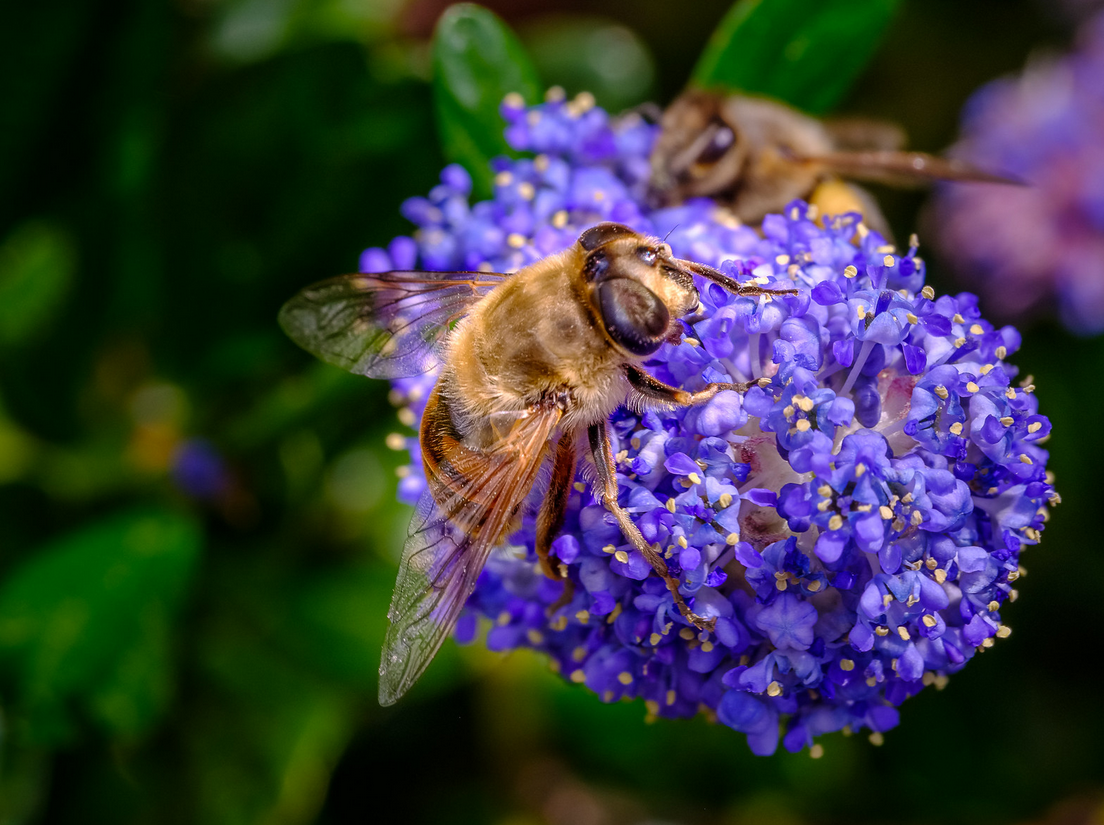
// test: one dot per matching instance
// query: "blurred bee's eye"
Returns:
(646, 254)
(718, 145)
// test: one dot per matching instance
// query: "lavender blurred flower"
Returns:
(854, 526)
(1033, 247)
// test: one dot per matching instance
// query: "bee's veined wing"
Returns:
(904, 168)
(384, 324)
(449, 541)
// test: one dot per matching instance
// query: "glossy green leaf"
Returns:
(36, 269)
(804, 52)
(477, 61)
(85, 619)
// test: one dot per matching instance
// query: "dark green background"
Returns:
(169, 174)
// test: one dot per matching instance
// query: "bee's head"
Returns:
(636, 287)
(698, 152)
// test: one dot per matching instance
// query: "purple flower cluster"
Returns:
(854, 524)
(1028, 248)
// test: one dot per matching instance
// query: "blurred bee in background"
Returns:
(755, 155)
(532, 366)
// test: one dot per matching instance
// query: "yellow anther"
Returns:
(559, 623)
(916, 518)
(578, 677)
(850, 272)
(686, 633)
(780, 585)
(931, 564)
(804, 403)
(671, 505)
(876, 739)
(670, 697)
(624, 677)
(788, 411)
(813, 586)
(513, 100)
(515, 240)
(940, 575)
(706, 647)
(975, 329)
(725, 500)
(824, 490)
(1034, 426)
(732, 538)
(774, 689)
(888, 260)
(941, 391)
(928, 293)
(959, 343)
(914, 241)
(579, 653)
(906, 498)
(835, 522)
(859, 470)
(986, 643)
(912, 319)
(1026, 459)
(985, 370)
(1003, 631)
(583, 616)
(816, 751)
(652, 707)
(527, 190)
(930, 620)
(609, 549)
(972, 387)
(504, 617)
(885, 512)
(956, 428)
(1001, 352)
(694, 478)
(682, 542)
(621, 556)
(847, 664)
(559, 219)
(406, 417)
(958, 319)
(535, 636)
(802, 425)
(887, 600)
(1007, 421)
(861, 311)
(504, 179)
(782, 260)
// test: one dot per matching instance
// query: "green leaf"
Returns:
(804, 52)
(85, 620)
(36, 270)
(477, 61)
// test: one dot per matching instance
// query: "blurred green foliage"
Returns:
(172, 172)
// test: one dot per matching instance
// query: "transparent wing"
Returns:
(450, 537)
(383, 325)
(904, 168)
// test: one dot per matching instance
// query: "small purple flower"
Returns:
(1042, 244)
(854, 523)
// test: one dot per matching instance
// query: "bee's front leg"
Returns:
(602, 452)
(653, 389)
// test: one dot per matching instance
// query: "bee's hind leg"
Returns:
(602, 452)
(550, 519)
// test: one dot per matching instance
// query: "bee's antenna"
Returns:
(669, 231)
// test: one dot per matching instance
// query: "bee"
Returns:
(532, 365)
(755, 155)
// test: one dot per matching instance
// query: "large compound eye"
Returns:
(647, 255)
(602, 234)
(719, 143)
(634, 316)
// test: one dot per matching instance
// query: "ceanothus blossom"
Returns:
(853, 523)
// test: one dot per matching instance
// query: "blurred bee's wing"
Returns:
(904, 168)
(449, 541)
(851, 134)
(385, 324)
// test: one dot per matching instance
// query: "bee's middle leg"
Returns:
(550, 519)
(602, 452)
